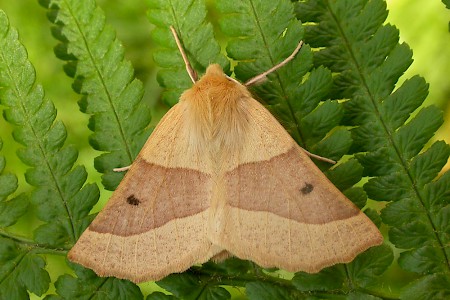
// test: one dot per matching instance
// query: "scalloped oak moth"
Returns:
(218, 176)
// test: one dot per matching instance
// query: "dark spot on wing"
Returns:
(307, 188)
(132, 200)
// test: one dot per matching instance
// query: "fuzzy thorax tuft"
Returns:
(216, 104)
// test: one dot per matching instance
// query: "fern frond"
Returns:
(368, 61)
(189, 20)
(105, 79)
(60, 196)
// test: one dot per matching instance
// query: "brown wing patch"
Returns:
(154, 224)
(290, 187)
(150, 196)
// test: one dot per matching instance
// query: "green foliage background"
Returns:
(423, 25)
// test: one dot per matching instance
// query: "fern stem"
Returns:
(45, 250)
(349, 279)
(31, 244)
(16, 238)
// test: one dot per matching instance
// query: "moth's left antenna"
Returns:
(189, 68)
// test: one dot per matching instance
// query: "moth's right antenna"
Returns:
(261, 77)
(189, 68)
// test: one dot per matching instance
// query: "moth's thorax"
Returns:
(217, 112)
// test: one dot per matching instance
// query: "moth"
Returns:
(220, 176)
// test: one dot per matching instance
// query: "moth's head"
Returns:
(215, 87)
(215, 78)
(214, 70)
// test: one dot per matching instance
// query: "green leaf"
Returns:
(424, 260)
(394, 186)
(326, 280)
(196, 33)
(8, 182)
(400, 234)
(33, 274)
(324, 296)
(437, 193)
(16, 277)
(345, 175)
(357, 195)
(374, 216)
(335, 145)
(411, 137)
(368, 266)
(160, 296)
(53, 297)
(111, 95)
(90, 286)
(260, 290)
(426, 166)
(407, 208)
(21, 270)
(395, 111)
(10, 209)
(362, 296)
(181, 285)
(214, 293)
(447, 3)
(321, 121)
(436, 286)
(313, 90)
(188, 286)
(231, 266)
